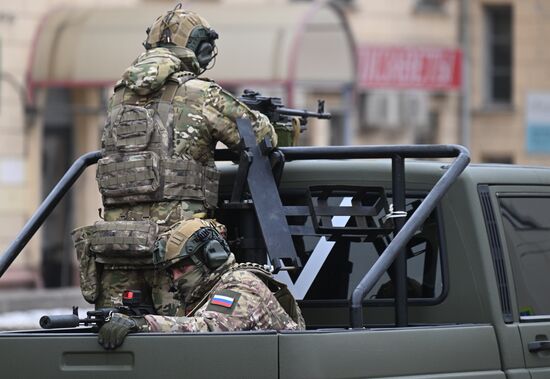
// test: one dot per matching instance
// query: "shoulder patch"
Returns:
(223, 301)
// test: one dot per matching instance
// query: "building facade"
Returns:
(492, 95)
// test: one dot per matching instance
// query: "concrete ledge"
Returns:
(20, 300)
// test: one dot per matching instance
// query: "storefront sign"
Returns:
(409, 67)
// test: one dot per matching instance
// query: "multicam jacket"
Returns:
(231, 299)
(162, 128)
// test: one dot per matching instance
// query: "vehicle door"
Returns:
(524, 222)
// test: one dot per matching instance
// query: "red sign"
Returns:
(409, 67)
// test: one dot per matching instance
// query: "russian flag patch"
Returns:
(222, 301)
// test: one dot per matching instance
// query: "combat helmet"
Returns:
(197, 240)
(183, 29)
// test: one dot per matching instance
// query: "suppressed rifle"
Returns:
(131, 306)
(281, 117)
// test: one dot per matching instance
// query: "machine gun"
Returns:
(281, 117)
(132, 306)
(260, 168)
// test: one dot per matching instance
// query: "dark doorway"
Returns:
(57, 153)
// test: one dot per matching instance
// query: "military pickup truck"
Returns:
(404, 267)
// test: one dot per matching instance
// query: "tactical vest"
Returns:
(138, 164)
(279, 290)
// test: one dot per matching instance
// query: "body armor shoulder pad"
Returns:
(253, 267)
(206, 79)
(181, 77)
(199, 83)
(119, 84)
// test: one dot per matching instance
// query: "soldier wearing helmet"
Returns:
(215, 293)
(158, 168)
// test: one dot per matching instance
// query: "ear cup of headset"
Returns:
(204, 53)
(215, 254)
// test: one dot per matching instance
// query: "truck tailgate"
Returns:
(199, 355)
(464, 351)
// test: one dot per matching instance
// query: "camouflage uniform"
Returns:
(201, 114)
(230, 299)
(216, 294)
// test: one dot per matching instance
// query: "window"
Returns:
(430, 6)
(526, 223)
(499, 54)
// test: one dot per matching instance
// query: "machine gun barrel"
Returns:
(273, 107)
(304, 113)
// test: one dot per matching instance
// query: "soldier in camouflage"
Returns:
(158, 168)
(215, 293)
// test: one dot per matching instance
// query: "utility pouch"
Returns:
(129, 242)
(132, 128)
(283, 296)
(190, 180)
(210, 187)
(287, 302)
(129, 177)
(88, 267)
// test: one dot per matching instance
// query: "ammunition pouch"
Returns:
(190, 180)
(145, 177)
(124, 242)
(90, 270)
(134, 128)
(287, 134)
(126, 178)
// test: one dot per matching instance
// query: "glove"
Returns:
(112, 333)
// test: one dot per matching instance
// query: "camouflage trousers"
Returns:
(154, 286)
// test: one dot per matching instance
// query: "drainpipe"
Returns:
(465, 89)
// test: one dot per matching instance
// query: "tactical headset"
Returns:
(208, 247)
(201, 40)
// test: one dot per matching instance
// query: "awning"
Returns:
(275, 43)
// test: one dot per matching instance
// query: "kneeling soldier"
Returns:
(215, 292)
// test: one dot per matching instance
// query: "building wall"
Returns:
(23, 142)
(401, 23)
(496, 134)
(21, 132)
(500, 133)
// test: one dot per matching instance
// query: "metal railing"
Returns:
(393, 254)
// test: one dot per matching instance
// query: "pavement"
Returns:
(25, 299)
